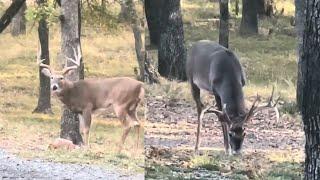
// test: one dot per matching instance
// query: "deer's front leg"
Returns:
(226, 140)
(85, 123)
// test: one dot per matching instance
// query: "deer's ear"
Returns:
(46, 72)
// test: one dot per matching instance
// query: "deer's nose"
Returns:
(238, 152)
(54, 87)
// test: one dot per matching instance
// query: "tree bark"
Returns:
(136, 27)
(153, 11)
(249, 21)
(309, 86)
(171, 51)
(151, 74)
(44, 100)
(18, 25)
(299, 25)
(123, 15)
(237, 7)
(10, 13)
(224, 23)
(70, 34)
(265, 7)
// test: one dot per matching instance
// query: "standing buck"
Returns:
(213, 68)
(85, 96)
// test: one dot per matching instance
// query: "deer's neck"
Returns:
(234, 100)
(65, 94)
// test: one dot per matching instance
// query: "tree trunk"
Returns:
(70, 35)
(123, 15)
(151, 73)
(265, 7)
(224, 24)
(249, 21)
(300, 20)
(18, 25)
(44, 100)
(132, 15)
(309, 92)
(10, 13)
(171, 51)
(153, 13)
(237, 7)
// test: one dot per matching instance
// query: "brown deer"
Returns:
(85, 96)
(214, 68)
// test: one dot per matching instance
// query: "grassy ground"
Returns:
(106, 54)
(269, 60)
(254, 165)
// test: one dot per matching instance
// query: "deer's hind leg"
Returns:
(195, 91)
(134, 122)
(121, 113)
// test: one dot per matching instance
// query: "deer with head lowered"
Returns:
(215, 69)
(85, 96)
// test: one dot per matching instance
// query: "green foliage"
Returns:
(98, 15)
(44, 11)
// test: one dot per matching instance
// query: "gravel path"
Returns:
(12, 167)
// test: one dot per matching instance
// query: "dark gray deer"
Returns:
(214, 68)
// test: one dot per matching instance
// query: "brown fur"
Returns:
(85, 96)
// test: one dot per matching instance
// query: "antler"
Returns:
(270, 103)
(39, 62)
(252, 109)
(223, 115)
(77, 56)
(271, 99)
(76, 60)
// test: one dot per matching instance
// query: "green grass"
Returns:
(28, 135)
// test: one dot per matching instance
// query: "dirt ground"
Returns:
(170, 136)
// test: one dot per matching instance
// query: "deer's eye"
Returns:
(61, 78)
(51, 78)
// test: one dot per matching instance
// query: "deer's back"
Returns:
(211, 67)
(108, 91)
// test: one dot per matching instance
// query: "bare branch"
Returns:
(10, 13)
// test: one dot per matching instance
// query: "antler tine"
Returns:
(76, 60)
(207, 110)
(271, 98)
(277, 101)
(39, 62)
(77, 56)
(252, 109)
